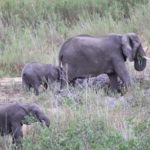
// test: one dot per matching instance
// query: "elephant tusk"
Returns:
(147, 58)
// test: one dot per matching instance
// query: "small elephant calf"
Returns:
(35, 74)
(13, 116)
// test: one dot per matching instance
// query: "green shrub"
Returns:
(79, 135)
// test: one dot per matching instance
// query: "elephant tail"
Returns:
(60, 67)
(60, 60)
(59, 72)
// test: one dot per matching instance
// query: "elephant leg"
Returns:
(36, 89)
(16, 133)
(62, 79)
(63, 82)
(113, 81)
(72, 82)
(122, 72)
(67, 77)
(26, 86)
(29, 87)
(67, 81)
(35, 86)
(45, 85)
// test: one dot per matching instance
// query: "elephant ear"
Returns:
(139, 62)
(130, 44)
(132, 48)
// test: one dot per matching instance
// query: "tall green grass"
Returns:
(87, 120)
(35, 30)
(26, 12)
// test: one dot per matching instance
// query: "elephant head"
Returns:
(133, 50)
(37, 113)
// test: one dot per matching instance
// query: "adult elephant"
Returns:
(14, 115)
(84, 56)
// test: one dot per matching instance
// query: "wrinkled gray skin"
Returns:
(35, 74)
(84, 56)
(12, 117)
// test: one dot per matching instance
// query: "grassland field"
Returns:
(84, 119)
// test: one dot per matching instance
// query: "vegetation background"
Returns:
(33, 30)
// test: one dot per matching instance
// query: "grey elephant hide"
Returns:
(13, 115)
(85, 56)
(35, 74)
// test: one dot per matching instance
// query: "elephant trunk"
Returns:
(46, 121)
(139, 60)
(43, 119)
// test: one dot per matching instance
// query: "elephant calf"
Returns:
(85, 56)
(13, 116)
(35, 74)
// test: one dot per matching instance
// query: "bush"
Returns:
(79, 135)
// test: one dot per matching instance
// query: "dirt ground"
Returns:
(10, 89)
